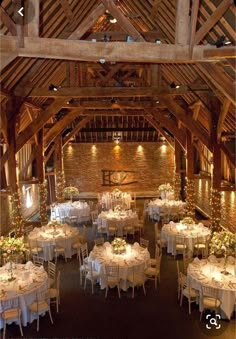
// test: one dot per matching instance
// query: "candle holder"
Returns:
(225, 272)
(11, 278)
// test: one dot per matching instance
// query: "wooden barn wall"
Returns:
(5, 206)
(147, 166)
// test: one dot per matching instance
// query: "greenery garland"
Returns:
(177, 185)
(215, 203)
(190, 207)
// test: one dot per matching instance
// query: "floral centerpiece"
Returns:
(187, 221)
(223, 244)
(118, 246)
(54, 224)
(116, 193)
(165, 188)
(117, 208)
(12, 249)
(70, 191)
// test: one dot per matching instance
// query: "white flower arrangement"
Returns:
(187, 221)
(223, 243)
(54, 224)
(116, 193)
(70, 190)
(118, 246)
(10, 247)
(117, 208)
(165, 188)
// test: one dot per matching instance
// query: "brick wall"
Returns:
(152, 164)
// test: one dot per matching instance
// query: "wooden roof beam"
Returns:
(80, 92)
(122, 20)
(88, 22)
(212, 20)
(193, 24)
(160, 129)
(112, 51)
(182, 22)
(32, 27)
(78, 127)
(150, 36)
(7, 21)
(60, 126)
(223, 114)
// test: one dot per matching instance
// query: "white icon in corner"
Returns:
(20, 11)
(213, 321)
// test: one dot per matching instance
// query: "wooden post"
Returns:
(59, 169)
(40, 157)
(190, 175)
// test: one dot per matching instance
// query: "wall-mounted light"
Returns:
(222, 41)
(158, 41)
(116, 137)
(54, 88)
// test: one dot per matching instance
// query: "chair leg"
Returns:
(106, 292)
(181, 299)
(144, 290)
(189, 306)
(156, 282)
(50, 315)
(133, 292)
(37, 322)
(201, 316)
(92, 287)
(4, 330)
(118, 290)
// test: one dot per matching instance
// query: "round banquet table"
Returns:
(121, 219)
(165, 207)
(46, 237)
(203, 272)
(79, 209)
(29, 280)
(171, 230)
(103, 255)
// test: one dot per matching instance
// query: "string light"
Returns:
(177, 185)
(60, 185)
(43, 193)
(190, 206)
(17, 220)
(215, 203)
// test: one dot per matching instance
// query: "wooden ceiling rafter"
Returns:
(156, 125)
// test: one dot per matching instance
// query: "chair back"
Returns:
(208, 291)
(10, 303)
(51, 269)
(138, 274)
(38, 261)
(144, 243)
(84, 251)
(99, 241)
(112, 271)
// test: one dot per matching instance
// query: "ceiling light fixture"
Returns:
(222, 41)
(173, 85)
(53, 88)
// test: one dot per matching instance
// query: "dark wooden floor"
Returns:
(156, 315)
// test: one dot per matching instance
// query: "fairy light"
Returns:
(215, 203)
(43, 201)
(17, 220)
(190, 207)
(60, 185)
(177, 185)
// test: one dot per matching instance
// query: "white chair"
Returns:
(137, 278)
(38, 261)
(35, 248)
(187, 259)
(83, 235)
(83, 261)
(144, 243)
(187, 291)
(76, 245)
(180, 245)
(54, 293)
(153, 261)
(128, 229)
(201, 246)
(40, 306)
(209, 299)
(99, 241)
(111, 228)
(112, 278)
(152, 273)
(59, 248)
(11, 312)
(91, 275)
(52, 268)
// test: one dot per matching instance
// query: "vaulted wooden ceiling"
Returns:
(106, 84)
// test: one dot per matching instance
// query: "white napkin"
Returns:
(212, 258)
(196, 260)
(29, 265)
(136, 244)
(106, 244)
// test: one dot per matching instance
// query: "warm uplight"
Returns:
(70, 148)
(29, 201)
(163, 148)
(232, 197)
(93, 150)
(140, 149)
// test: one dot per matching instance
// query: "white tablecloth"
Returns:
(121, 219)
(79, 209)
(169, 232)
(110, 200)
(29, 280)
(103, 255)
(166, 207)
(46, 237)
(202, 272)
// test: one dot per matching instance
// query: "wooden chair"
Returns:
(186, 291)
(59, 249)
(91, 275)
(152, 273)
(209, 299)
(38, 261)
(52, 268)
